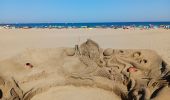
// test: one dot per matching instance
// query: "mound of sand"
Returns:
(76, 93)
(84, 72)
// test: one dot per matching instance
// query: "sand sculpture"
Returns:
(130, 74)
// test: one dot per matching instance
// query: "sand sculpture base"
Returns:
(85, 72)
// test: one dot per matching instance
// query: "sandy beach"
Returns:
(51, 55)
(13, 41)
(84, 50)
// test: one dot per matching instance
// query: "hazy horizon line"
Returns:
(83, 22)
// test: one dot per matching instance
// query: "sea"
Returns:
(85, 25)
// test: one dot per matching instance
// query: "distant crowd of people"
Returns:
(147, 27)
(150, 26)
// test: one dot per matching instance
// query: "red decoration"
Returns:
(132, 69)
(29, 65)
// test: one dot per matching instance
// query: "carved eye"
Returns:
(137, 54)
(122, 52)
(1, 94)
(145, 61)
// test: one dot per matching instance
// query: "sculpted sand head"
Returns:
(143, 60)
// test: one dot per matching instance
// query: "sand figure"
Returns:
(130, 74)
(134, 68)
(90, 49)
(148, 65)
(89, 55)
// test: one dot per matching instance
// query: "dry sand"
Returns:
(13, 41)
(40, 47)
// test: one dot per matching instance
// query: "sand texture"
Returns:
(38, 67)
(86, 72)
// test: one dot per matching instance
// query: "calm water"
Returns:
(78, 25)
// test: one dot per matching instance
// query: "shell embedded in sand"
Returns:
(108, 52)
(70, 51)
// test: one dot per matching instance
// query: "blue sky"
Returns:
(29, 11)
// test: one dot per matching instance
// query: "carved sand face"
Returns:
(142, 61)
(145, 61)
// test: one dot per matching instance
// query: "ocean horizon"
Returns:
(85, 24)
